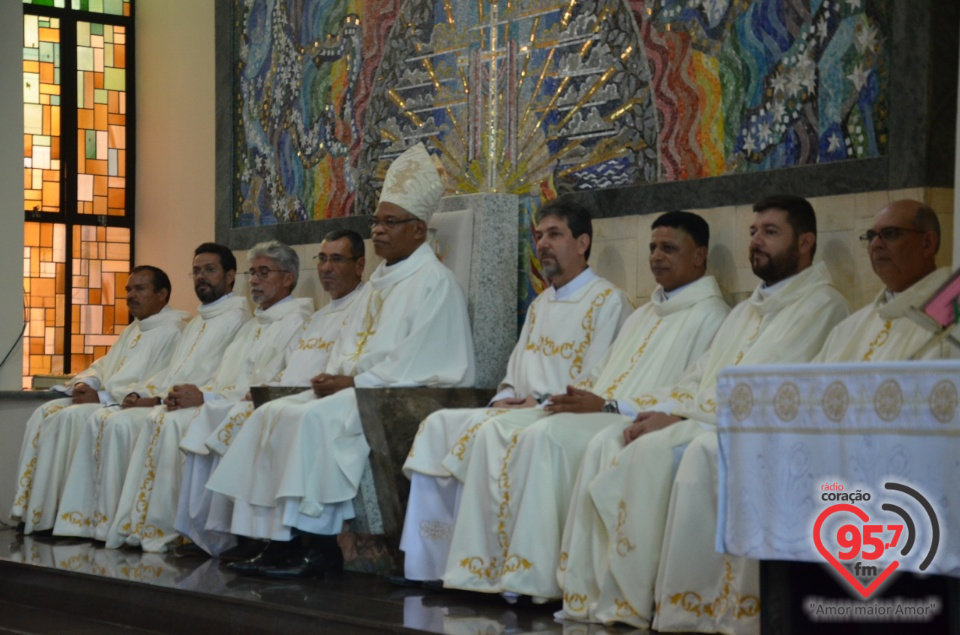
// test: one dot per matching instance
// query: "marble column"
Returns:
(491, 280)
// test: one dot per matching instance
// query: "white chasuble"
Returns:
(409, 327)
(143, 349)
(102, 454)
(691, 573)
(613, 554)
(148, 500)
(305, 358)
(566, 332)
(518, 485)
(883, 330)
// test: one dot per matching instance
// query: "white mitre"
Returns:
(414, 183)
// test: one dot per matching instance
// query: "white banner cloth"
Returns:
(789, 433)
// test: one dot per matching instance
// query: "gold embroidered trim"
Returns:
(567, 350)
(225, 436)
(460, 447)
(494, 570)
(728, 602)
(574, 602)
(634, 359)
(371, 320)
(190, 354)
(878, 341)
(624, 546)
(146, 485)
(76, 518)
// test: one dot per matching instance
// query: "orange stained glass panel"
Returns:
(101, 156)
(44, 269)
(41, 114)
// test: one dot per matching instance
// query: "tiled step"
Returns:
(18, 619)
(165, 594)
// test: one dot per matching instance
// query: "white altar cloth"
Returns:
(787, 432)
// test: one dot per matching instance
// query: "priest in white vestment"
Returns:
(615, 526)
(568, 328)
(297, 462)
(142, 350)
(340, 266)
(519, 481)
(902, 244)
(101, 458)
(148, 500)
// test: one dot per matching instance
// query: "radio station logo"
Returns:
(866, 550)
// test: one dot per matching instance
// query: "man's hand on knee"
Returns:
(324, 385)
(575, 400)
(648, 422)
(82, 393)
(515, 402)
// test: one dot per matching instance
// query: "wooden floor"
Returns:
(58, 585)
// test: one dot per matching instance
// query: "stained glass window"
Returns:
(101, 119)
(41, 113)
(78, 233)
(45, 283)
(109, 7)
(101, 262)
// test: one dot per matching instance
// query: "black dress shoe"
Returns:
(322, 558)
(246, 549)
(190, 550)
(276, 552)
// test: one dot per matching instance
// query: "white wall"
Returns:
(176, 148)
(11, 191)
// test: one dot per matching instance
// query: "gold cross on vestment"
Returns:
(370, 320)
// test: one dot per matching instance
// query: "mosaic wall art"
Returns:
(590, 93)
(304, 74)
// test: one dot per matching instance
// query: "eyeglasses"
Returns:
(886, 235)
(261, 273)
(207, 270)
(390, 223)
(335, 259)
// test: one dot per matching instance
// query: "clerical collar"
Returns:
(889, 295)
(766, 290)
(566, 291)
(277, 303)
(668, 294)
(336, 303)
(222, 299)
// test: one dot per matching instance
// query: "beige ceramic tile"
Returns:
(835, 213)
(619, 227)
(722, 266)
(940, 199)
(746, 280)
(915, 193)
(615, 260)
(745, 216)
(869, 203)
(843, 258)
(944, 256)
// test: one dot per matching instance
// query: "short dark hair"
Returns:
(357, 249)
(576, 215)
(799, 211)
(925, 219)
(691, 223)
(159, 278)
(227, 260)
